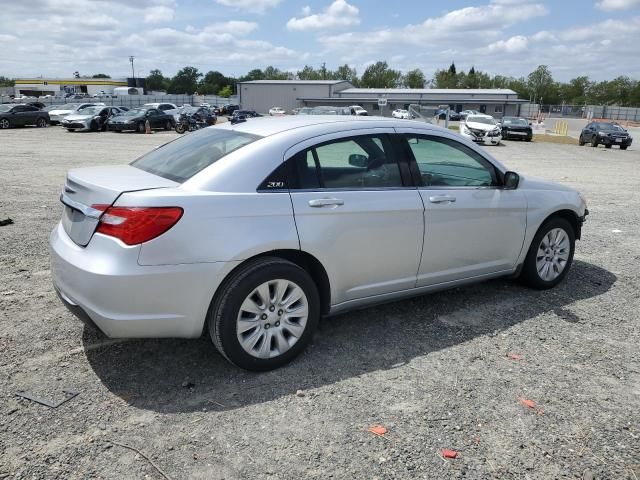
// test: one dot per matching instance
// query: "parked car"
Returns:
(246, 113)
(481, 129)
(229, 109)
(358, 111)
(302, 111)
(90, 119)
(214, 233)
(400, 113)
(329, 110)
(516, 127)
(163, 107)
(136, 119)
(58, 115)
(605, 133)
(453, 115)
(277, 111)
(22, 115)
(465, 113)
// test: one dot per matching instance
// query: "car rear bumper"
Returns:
(103, 285)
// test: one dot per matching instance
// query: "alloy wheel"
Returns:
(272, 318)
(553, 254)
(4, 123)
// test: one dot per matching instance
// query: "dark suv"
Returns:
(605, 133)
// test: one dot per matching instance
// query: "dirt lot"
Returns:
(447, 370)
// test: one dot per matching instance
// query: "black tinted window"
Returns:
(366, 161)
(183, 158)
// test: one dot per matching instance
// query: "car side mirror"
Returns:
(356, 160)
(511, 180)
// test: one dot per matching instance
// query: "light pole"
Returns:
(133, 72)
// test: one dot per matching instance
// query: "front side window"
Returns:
(365, 161)
(443, 162)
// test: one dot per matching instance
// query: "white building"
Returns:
(38, 87)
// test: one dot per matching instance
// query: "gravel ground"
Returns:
(448, 370)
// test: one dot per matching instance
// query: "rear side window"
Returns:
(183, 158)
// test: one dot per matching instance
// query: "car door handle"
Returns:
(442, 199)
(326, 202)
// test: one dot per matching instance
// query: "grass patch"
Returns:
(546, 138)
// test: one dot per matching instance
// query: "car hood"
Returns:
(535, 183)
(480, 126)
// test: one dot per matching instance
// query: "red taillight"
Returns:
(134, 225)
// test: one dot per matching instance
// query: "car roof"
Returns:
(267, 126)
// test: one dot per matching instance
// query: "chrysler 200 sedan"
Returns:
(250, 232)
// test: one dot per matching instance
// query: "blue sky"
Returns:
(597, 38)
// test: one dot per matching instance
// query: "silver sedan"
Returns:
(252, 231)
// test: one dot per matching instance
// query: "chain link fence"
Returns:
(131, 101)
(610, 112)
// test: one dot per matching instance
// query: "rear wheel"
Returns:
(4, 123)
(550, 254)
(264, 314)
(41, 123)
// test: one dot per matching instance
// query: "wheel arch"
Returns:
(304, 260)
(571, 217)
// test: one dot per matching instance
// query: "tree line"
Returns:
(539, 86)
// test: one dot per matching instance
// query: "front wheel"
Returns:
(550, 254)
(141, 128)
(179, 128)
(581, 141)
(4, 123)
(594, 141)
(264, 314)
(623, 147)
(167, 126)
(41, 123)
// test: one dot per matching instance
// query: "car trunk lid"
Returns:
(88, 191)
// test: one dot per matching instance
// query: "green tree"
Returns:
(452, 69)
(379, 75)
(308, 73)
(156, 81)
(6, 82)
(540, 83)
(414, 79)
(100, 75)
(212, 82)
(273, 73)
(345, 72)
(255, 74)
(185, 81)
(445, 79)
(226, 91)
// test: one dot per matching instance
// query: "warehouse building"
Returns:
(39, 87)
(261, 95)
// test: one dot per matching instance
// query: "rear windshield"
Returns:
(183, 158)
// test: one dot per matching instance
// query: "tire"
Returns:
(607, 146)
(140, 128)
(179, 128)
(623, 147)
(41, 122)
(168, 125)
(594, 141)
(4, 123)
(528, 139)
(581, 140)
(225, 312)
(93, 126)
(71, 129)
(534, 276)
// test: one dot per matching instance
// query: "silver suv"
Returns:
(251, 231)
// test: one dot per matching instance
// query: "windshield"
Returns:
(485, 120)
(135, 111)
(90, 111)
(515, 121)
(183, 158)
(5, 108)
(611, 127)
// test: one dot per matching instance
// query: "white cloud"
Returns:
(609, 5)
(515, 44)
(338, 14)
(250, 6)
(158, 14)
(234, 27)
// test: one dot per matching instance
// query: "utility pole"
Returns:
(133, 72)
